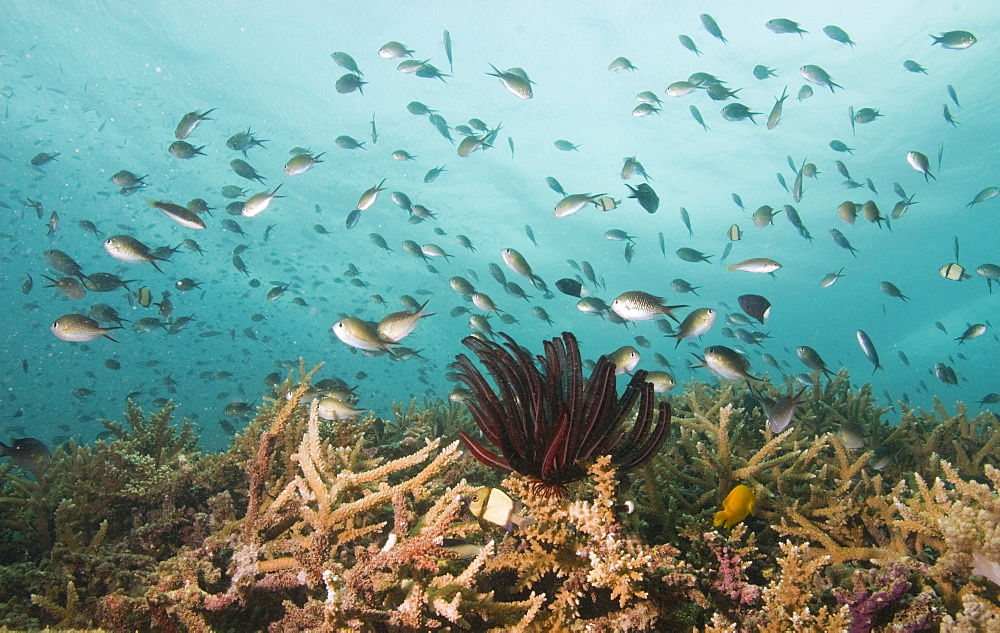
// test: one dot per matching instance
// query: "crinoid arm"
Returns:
(546, 422)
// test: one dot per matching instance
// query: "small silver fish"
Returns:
(869, 349)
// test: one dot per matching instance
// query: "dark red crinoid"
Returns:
(546, 422)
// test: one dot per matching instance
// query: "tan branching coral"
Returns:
(968, 444)
(958, 519)
(596, 574)
(720, 447)
(789, 603)
(338, 535)
(357, 525)
(66, 616)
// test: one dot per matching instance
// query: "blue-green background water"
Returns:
(104, 84)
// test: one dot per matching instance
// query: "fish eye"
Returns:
(55, 324)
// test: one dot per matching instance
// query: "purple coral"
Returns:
(736, 596)
(876, 592)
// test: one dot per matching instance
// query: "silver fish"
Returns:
(869, 349)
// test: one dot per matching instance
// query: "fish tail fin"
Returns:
(668, 309)
(522, 522)
(420, 310)
(720, 518)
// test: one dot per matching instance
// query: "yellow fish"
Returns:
(735, 507)
(492, 505)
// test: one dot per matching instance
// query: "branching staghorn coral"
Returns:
(959, 520)
(100, 517)
(789, 602)
(832, 405)
(809, 486)
(258, 469)
(434, 418)
(594, 574)
(323, 547)
(968, 444)
(146, 532)
(719, 447)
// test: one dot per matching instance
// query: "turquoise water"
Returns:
(105, 84)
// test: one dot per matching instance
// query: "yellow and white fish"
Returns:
(130, 250)
(336, 409)
(181, 215)
(756, 265)
(361, 334)
(367, 199)
(492, 505)
(516, 83)
(259, 202)
(636, 305)
(398, 325)
(78, 328)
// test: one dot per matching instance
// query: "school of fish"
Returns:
(218, 246)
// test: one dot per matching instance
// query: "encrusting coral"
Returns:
(359, 525)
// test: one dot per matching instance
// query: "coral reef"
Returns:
(866, 520)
